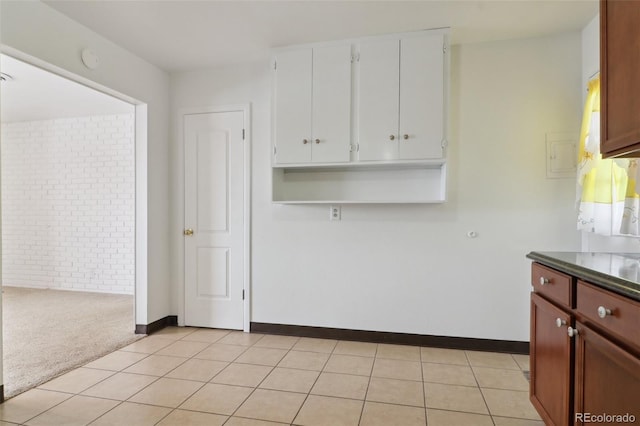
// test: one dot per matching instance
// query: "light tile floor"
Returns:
(191, 376)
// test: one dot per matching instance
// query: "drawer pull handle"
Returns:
(572, 331)
(305, 141)
(544, 281)
(560, 322)
(603, 312)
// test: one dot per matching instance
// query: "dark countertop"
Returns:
(618, 272)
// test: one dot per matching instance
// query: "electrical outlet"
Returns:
(335, 212)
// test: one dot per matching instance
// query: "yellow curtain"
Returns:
(602, 183)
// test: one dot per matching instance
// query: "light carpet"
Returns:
(49, 332)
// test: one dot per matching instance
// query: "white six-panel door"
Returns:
(214, 212)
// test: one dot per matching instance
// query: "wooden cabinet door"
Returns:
(292, 106)
(607, 379)
(421, 97)
(331, 111)
(378, 100)
(550, 351)
(620, 77)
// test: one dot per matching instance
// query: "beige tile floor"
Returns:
(191, 376)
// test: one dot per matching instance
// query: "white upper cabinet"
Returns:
(331, 111)
(293, 106)
(361, 121)
(313, 105)
(401, 98)
(378, 92)
(421, 97)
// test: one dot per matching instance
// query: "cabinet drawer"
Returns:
(551, 283)
(613, 313)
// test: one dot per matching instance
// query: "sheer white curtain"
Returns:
(608, 201)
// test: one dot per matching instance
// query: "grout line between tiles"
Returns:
(256, 387)
(314, 382)
(158, 377)
(182, 402)
(167, 415)
(50, 408)
(424, 391)
(291, 349)
(366, 394)
(480, 389)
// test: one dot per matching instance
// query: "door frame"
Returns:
(140, 293)
(246, 275)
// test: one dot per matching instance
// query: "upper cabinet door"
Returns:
(293, 106)
(378, 93)
(421, 97)
(331, 111)
(620, 79)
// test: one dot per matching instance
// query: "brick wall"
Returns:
(68, 203)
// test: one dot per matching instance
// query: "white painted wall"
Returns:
(36, 33)
(590, 67)
(407, 268)
(590, 52)
(1, 313)
(68, 203)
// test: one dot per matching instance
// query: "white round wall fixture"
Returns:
(90, 59)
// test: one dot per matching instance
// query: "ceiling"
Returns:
(189, 35)
(34, 94)
(183, 35)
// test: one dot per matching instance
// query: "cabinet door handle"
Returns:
(544, 281)
(603, 312)
(406, 137)
(392, 137)
(560, 322)
(572, 331)
(305, 141)
(317, 140)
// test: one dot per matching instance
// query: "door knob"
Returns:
(560, 322)
(188, 231)
(305, 141)
(544, 281)
(572, 331)
(317, 141)
(406, 137)
(392, 137)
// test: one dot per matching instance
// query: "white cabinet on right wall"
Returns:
(401, 95)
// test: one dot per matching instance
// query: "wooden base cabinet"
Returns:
(584, 352)
(550, 386)
(607, 381)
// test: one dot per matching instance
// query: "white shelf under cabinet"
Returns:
(360, 183)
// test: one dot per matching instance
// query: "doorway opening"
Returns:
(68, 224)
